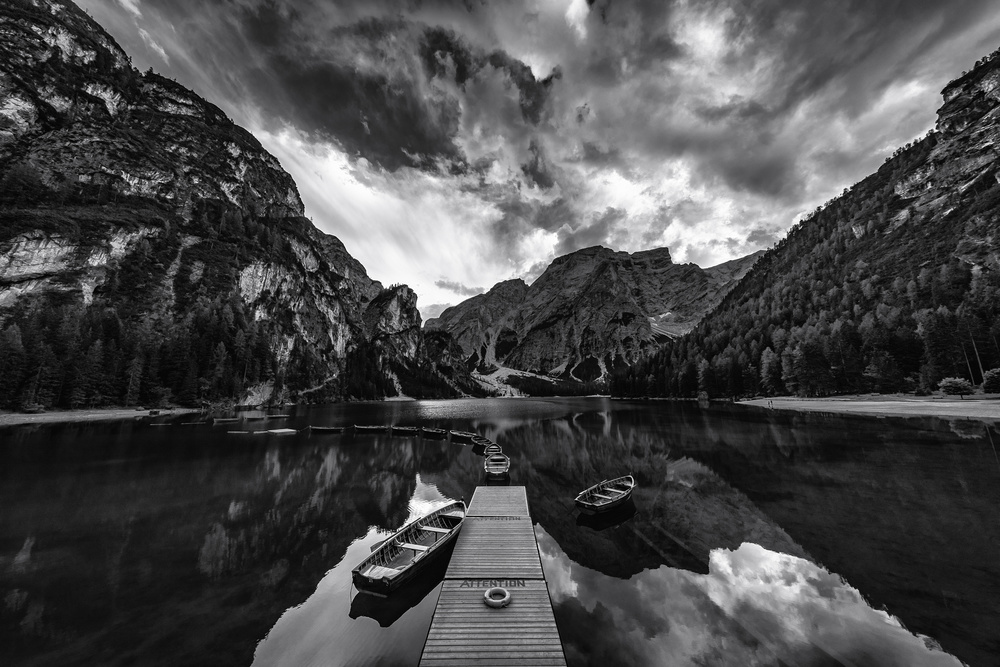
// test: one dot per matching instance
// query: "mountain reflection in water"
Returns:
(755, 537)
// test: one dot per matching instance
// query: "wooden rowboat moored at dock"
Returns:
(496, 465)
(401, 557)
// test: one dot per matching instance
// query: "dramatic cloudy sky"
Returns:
(453, 144)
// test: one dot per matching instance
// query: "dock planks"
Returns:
(495, 548)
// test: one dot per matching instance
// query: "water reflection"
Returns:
(753, 607)
(124, 543)
(338, 626)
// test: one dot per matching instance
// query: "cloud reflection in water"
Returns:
(754, 607)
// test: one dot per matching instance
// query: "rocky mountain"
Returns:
(590, 312)
(151, 249)
(894, 285)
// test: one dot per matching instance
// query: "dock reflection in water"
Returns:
(127, 544)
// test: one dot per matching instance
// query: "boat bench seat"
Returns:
(602, 496)
(435, 529)
(414, 547)
(378, 572)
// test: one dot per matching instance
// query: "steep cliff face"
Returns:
(891, 286)
(126, 197)
(590, 312)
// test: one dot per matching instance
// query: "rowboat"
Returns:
(496, 465)
(434, 433)
(328, 429)
(464, 437)
(405, 430)
(401, 557)
(606, 495)
(388, 610)
(492, 448)
(365, 428)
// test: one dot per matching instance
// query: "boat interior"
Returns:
(497, 463)
(607, 491)
(410, 545)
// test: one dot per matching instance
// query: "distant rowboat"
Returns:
(405, 430)
(434, 433)
(492, 448)
(606, 495)
(463, 436)
(371, 429)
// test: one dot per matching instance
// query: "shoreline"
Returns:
(97, 414)
(890, 405)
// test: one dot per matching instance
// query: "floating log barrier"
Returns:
(464, 437)
(365, 428)
(328, 429)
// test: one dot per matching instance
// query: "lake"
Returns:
(757, 537)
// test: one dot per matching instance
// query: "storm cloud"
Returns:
(478, 140)
(459, 288)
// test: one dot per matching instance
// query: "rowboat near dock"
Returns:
(496, 465)
(401, 557)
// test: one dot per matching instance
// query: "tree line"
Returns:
(868, 294)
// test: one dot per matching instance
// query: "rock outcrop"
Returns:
(590, 312)
(126, 196)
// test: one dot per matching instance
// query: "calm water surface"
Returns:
(756, 538)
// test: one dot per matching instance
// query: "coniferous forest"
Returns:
(869, 294)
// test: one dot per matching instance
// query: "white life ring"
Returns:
(494, 602)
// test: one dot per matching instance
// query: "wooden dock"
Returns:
(495, 548)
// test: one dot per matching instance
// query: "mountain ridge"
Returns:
(153, 251)
(589, 312)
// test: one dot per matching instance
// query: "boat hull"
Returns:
(385, 587)
(591, 509)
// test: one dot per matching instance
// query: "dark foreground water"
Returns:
(757, 538)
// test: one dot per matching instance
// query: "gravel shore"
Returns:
(985, 408)
(17, 418)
